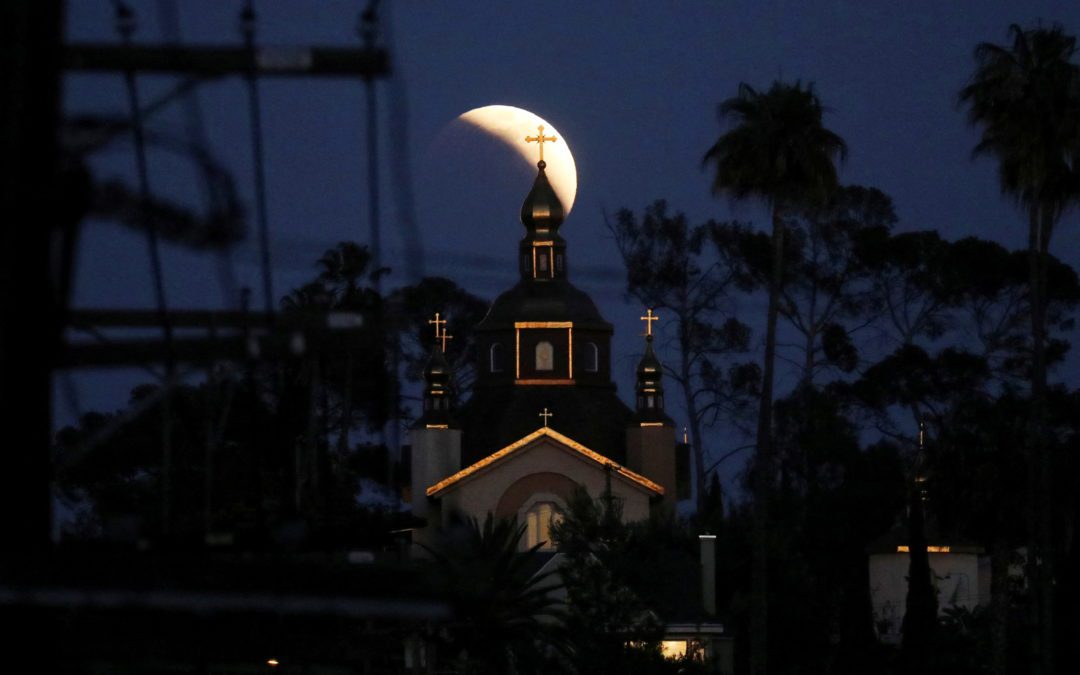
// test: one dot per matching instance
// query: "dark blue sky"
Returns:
(633, 87)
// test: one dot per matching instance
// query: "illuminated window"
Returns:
(673, 649)
(592, 357)
(681, 649)
(538, 521)
(495, 357)
(545, 356)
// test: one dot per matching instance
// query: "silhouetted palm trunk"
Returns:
(763, 470)
(1040, 550)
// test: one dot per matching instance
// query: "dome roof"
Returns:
(555, 300)
(542, 208)
(649, 370)
(437, 370)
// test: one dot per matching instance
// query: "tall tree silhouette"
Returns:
(1025, 96)
(779, 151)
(668, 267)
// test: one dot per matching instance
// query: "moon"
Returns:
(511, 125)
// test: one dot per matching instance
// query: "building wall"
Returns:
(436, 454)
(650, 451)
(542, 463)
(956, 576)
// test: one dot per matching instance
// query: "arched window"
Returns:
(495, 358)
(545, 356)
(538, 521)
(592, 357)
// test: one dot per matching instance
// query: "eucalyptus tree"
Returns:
(1025, 97)
(826, 297)
(778, 150)
(670, 267)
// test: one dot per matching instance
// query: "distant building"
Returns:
(961, 576)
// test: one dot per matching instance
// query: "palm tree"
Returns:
(504, 612)
(778, 151)
(1026, 98)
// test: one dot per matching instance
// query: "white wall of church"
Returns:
(436, 454)
(479, 494)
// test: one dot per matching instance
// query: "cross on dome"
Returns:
(546, 415)
(438, 324)
(444, 337)
(648, 319)
(540, 139)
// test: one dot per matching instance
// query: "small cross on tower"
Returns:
(540, 139)
(546, 415)
(444, 337)
(648, 319)
(438, 325)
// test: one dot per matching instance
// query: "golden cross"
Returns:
(444, 337)
(438, 322)
(540, 138)
(546, 415)
(648, 319)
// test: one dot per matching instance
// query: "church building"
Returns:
(544, 416)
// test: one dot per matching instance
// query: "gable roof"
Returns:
(496, 416)
(449, 482)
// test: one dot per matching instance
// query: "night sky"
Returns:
(633, 88)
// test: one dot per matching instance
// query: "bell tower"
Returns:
(650, 438)
(436, 436)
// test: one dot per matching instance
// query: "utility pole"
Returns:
(32, 198)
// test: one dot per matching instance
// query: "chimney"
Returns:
(708, 573)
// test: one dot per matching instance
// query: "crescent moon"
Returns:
(511, 125)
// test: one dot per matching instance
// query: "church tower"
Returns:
(543, 420)
(650, 437)
(436, 437)
(544, 345)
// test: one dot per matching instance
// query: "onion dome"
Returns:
(438, 390)
(542, 212)
(650, 386)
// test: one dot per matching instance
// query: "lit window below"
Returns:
(673, 649)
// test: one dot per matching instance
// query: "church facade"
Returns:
(544, 417)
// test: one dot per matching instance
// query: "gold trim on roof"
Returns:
(633, 477)
(652, 424)
(543, 324)
(543, 243)
(436, 426)
(538, 381)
